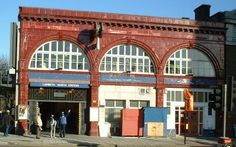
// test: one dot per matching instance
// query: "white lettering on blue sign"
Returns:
(48, 84)
(73, 85)
(60, 85)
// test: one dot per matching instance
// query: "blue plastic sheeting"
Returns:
(155, 114)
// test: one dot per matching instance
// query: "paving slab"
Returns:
(113, 141)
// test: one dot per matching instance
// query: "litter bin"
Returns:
(224, 142)
(104, 129)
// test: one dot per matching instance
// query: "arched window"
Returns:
(126, 58)
(189, 62)
(62, 55)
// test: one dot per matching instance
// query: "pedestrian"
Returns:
(53, 124)
(7, 121)
(38, 125)
(63, 123)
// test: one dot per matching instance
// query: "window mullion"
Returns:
(105, 63)
(111, 62)
(49, 56)
(168, 66)
(70, 56)
(83, 63)
(77, 62)
(57, 61)
(118, 61)
(43, 67)
(149, 66)
(130, 60)
(174, 66)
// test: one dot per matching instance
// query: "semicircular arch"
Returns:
(66, 41)
(147, 50)
(196, 46)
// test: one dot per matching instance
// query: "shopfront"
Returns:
(52, 91)
(136, 62)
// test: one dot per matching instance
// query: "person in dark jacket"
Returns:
(63, 123)
(7, 121)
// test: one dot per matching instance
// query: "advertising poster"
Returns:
(23, 112)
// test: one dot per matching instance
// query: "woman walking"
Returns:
(39, 125)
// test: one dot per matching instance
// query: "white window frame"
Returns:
(204, 66)
(131, 57)
(78, 53)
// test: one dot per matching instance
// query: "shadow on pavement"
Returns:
(84, 144)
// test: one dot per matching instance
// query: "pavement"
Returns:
(96, 141)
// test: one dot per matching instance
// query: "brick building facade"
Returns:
(159, 38)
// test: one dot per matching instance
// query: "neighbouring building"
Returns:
(229, 20)
(99, 63)
(7, 95)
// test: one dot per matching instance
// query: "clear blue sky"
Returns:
(160, 8)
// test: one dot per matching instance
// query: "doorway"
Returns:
(76, 119)
(179, 120)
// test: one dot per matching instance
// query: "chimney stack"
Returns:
(202, 12)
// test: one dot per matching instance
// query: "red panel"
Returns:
(132, 122)
(93, 129)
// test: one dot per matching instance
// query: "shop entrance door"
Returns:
(77, 118)
(193, 119)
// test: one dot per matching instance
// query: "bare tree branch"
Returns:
(4, 69)
(3, 63)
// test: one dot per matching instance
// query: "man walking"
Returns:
(63, 123)
(7, 120)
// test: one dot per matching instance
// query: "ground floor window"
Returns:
(177, 95)
(174, 101)
(112, 114)
(113, 111)
(139, 103)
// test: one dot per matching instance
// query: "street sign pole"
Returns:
(185, 122)
(224, 141)
(225, 109)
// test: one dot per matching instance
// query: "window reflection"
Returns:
(189, 61)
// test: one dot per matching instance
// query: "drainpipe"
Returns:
(17, 77)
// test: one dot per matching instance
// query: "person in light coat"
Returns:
(53, 124)
(38, 125)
